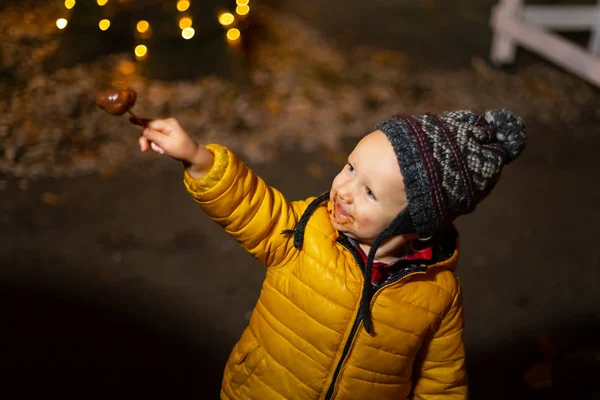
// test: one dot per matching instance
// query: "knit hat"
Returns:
(451, 162)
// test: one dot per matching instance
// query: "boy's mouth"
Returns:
(340, 211)
(339, 215)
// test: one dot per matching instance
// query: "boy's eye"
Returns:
(350, 167)
(371, 194)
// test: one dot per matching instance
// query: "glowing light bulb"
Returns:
(101, 2)
(142, 26)
(185, 22)
(61, 23)
(242, 2)
(233, 34)
(183, 5)
(242, 10)
(104, 24)
(188, 33)
(141, 50)
(226, 18)
(69, 4)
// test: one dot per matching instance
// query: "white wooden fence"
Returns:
(515, 24)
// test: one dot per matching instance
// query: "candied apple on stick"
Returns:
(118, 102)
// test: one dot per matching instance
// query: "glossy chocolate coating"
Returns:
(116, 102)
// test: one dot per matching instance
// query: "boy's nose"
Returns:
(344, 194)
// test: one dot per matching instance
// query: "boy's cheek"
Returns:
(370, 225)
(338, 181)
(361, 222)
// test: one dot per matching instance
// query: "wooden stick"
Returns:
(139, 121)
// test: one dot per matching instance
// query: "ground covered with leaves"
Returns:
(301, 92)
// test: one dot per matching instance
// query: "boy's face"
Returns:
(369, 192)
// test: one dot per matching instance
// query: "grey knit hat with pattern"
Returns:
(450, 162)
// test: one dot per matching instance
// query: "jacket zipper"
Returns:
(399, 275)
(344, 241)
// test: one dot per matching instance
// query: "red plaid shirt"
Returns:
(382, 271)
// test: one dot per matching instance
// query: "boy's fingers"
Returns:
(163, 125)
(156, 148)
(144, 143)
(153, 136)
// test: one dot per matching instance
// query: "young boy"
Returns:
(360, 300)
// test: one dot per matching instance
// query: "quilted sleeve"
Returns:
(251, 211)
(440, 372)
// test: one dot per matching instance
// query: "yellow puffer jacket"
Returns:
(304, 340)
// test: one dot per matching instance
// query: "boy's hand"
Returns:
(166, 136)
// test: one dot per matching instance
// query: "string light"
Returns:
(242, 10)
(233, 34)
(61, 23)
(185, 22)
(104, 24)
(226, 19)
(142, 26)
(188, 33)
(141, 50)
(183, 5)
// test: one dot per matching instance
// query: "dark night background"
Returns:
(113, 282)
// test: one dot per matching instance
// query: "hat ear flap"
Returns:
(403, 223)
(399, 225)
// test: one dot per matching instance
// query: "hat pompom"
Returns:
(509, 131)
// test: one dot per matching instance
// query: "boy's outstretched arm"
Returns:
(440, 371)
(166, 136)
(249, 210)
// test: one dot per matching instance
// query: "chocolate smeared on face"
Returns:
(116, 102)
(338, 215)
